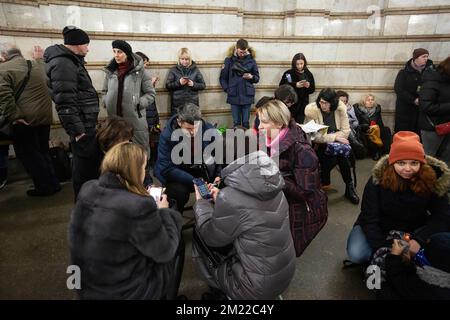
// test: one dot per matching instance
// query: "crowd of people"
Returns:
(260, 200)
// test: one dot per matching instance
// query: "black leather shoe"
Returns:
(350, 193)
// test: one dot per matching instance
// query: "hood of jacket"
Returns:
(232, 51)
(442, 184)
(255, 174)
(138, 64)
(59, 50)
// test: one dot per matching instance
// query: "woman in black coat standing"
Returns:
(126, 245)
(302, 80)
(184, 81)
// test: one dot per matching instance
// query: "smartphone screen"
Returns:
(155, 192)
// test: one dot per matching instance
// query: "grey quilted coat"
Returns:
(252, 213)
(138, 95)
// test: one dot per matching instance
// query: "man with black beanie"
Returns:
(75, 98)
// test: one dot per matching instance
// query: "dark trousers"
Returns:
(327, 163)
(86, 160)
(180, 193)
(4, 148)
(31, 147)
(178, 266)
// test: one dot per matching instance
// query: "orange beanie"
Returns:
(406, 146)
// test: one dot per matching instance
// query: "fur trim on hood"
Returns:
(443, 173)
(232, 51)
(434, 276)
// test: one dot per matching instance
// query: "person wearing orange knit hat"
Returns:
(407, 192)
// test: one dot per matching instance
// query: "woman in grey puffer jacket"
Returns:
(128, 90)
(251, 213)
(184, 81)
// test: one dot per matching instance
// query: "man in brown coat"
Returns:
(30, 114)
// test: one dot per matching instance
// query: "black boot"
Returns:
(350, 193)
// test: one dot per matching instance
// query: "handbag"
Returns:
(441, 129)
(239, 69)
(374, 135)
(338, 149)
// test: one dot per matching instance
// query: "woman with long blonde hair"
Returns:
(127, 245)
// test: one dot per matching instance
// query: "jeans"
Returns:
(358, 249)
(241, 115)
(436, 146)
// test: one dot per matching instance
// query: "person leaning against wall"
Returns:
(302, 80)
(237, 78)
(75, 98)
(435, 109)
(184, 81)
(407, 86)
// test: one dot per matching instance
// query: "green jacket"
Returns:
(34, 104)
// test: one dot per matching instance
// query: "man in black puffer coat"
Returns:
(75, 98)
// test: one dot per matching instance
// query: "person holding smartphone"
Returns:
(184, 81)
(302, 80)
(127, 245)
(247, 223)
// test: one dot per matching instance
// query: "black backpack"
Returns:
(62, 163)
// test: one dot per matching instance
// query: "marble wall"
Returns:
(358, 46)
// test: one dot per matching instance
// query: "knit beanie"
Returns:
(406, 146)
(418, 52)
(437, 251)
(74, 36)
(124, 46)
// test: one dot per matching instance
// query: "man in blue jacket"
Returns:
(177, 171)
(237, 77)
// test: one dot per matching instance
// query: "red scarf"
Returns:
(122, 70)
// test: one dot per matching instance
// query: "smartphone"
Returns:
(288, 78)
(202, 188)
(156, 192)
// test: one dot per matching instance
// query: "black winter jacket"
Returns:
(298, 109)
(434, 100)
(182, 94)
(407, 86)
(383, 210)
(403, 282)
(71, 89)
(123, 244)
